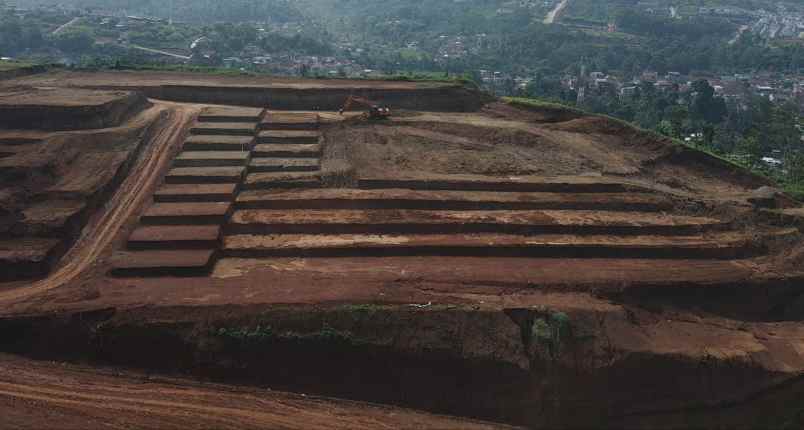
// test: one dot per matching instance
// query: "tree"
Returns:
(795, 167)
(724, 139)
(751, 150)
(666, 128)
(677, 115)
(74, 41)
(705, 106)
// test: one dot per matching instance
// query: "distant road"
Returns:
(65, 26)
(556, 12)
(743, 29)
(156, 51)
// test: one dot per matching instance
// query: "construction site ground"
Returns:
(114, 79)
(36, 394)
(504, 264)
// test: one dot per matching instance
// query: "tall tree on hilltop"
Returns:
(705, 106)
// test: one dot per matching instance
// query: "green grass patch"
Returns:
(542, 104)
(795, 190)
(207, 70)
(263, 335)
(13, 65)
(434, 77)
(550, 331)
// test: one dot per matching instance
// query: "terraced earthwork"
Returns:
(520, 265)
(571, 218)
(181, 233)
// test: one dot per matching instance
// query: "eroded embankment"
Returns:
(536, 367)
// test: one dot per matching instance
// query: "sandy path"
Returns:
(129, 197)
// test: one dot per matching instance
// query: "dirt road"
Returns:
(42, 395)
(556, 12)
(67, 25)
(128, 198)
(157, 51)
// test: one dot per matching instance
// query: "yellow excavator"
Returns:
(375, 110)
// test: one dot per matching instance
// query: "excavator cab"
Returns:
(375, 110)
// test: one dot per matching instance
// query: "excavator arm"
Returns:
(375, 110)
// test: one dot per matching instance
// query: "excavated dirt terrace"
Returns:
(38, 108)
(51, 183)
(502, 141)
(280, 93)
(524, 267)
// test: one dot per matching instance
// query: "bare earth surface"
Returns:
(37, 395)
(493, 264)
(56, 97)
(501, 141)
(135, 79)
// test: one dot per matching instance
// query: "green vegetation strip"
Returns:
(13, 65)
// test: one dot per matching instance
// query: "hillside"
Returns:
(194, 11)
(519, 263)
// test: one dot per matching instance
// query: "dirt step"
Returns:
(24, 258)
(262, 165)
(282, 180)
(290, 121)
(175, 237)
(205, 175)
(9, 150)
(219, 143)
(224, 128)
(788, 216)
(718, 246)
(288, 137)
(15, 141)
(231, 114)
(289, 151)
(564, 185)
(153, 263)
(383, 221)
(187, 193)
(211, 159)
(330, 198)
(186, 213)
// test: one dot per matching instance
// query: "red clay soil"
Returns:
(55, 97)
(138, 79)
(129, 197)
(496, 282)
(648, 336)
(280, 93)
(332, 198)
(40, 395)
(53, 182)
(66, 108)
(502, 141)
